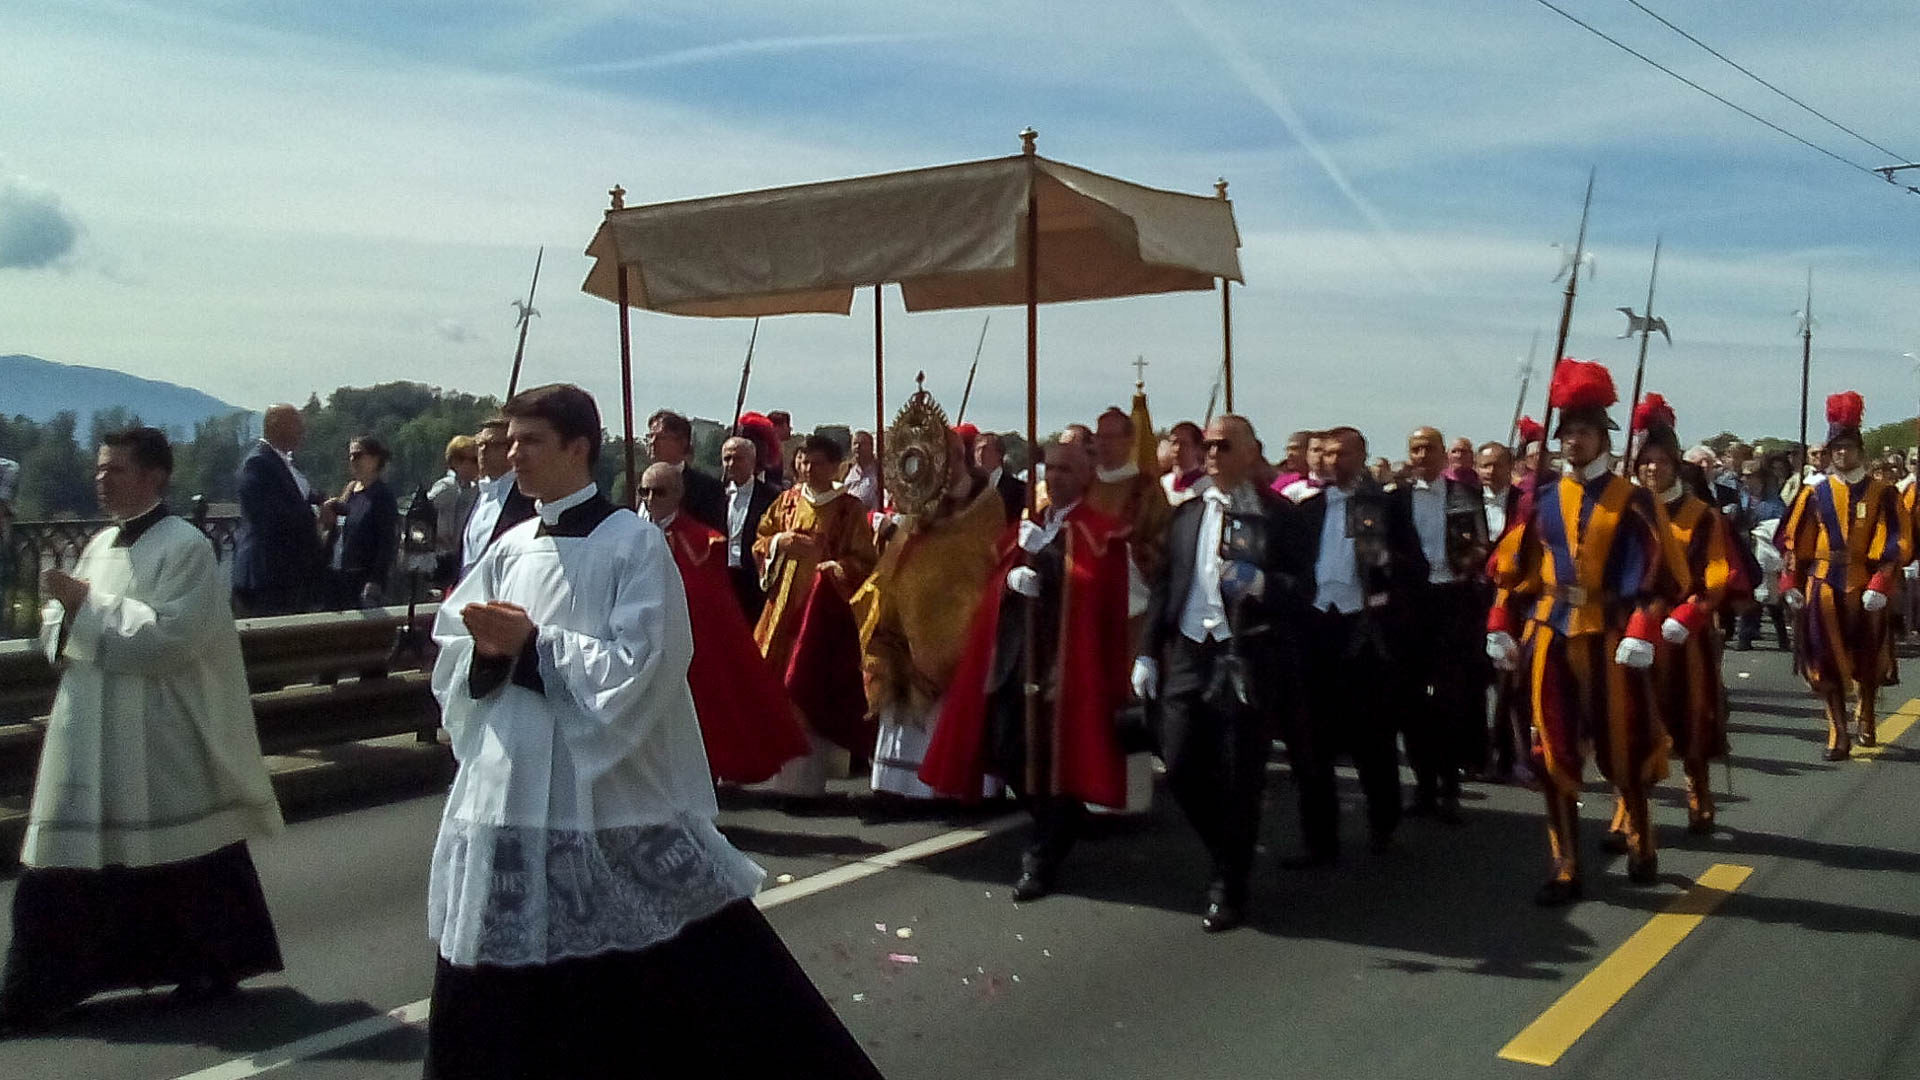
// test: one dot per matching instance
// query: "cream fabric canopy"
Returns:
(951, 236)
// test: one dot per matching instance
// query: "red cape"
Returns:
(746, 719)
(823, 675)
(1094, 652)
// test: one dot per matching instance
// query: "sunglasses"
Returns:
(650, 492)
(1222, 445)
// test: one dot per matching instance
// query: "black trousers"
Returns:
(723, 999)
(1058, 821)
(1750, 623)
(746, 588)
(1216, 762)
(1444, 671)
(1349, 712)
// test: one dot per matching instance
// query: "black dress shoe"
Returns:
(1839, 753)
(1447, 812)
(1614, 842)
(1031, 886)
(1558, 892)
(1222, 916)
(1645, 871)
(1422, 807)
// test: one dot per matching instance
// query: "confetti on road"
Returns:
(880, 926)
(1048, 953)
(859, 997)
(903, 958)
(904, 932)
(784, 879)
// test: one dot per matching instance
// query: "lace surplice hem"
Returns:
(518, 896)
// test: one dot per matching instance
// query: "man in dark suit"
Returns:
(670, 442)
(990, 457)
(1444, 668)
(1359, 558)
(1212, 656)
(747, 498)
(276, 553)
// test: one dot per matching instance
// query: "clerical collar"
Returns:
(819, 498)
(1592, 470)
(1115, 476)
(550, 511)
(134, 527)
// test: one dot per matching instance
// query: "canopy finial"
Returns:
(920, 381)
(1220, 188)
(1027, 136)
(619, 196)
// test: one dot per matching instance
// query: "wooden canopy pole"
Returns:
(619, 195)
(879, 396)
(1226, 313)
(1039, 763)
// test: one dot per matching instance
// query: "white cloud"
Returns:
(453, 331)
(36, 232)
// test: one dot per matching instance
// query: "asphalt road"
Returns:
(1423, 962)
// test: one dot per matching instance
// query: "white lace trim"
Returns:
(520, 896)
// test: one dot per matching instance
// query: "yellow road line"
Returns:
(1891, 728)
(1562, 1025)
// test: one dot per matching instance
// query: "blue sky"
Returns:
(272, 199)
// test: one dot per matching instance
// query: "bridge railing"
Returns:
(28, 547)
(317, 680)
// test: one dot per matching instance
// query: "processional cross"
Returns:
(1140, 373)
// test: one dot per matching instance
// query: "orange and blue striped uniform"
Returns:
(1686, 677)
(1842, 539)
(1590, 557)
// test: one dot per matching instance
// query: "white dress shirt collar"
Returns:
(1593, 470)
(550, 511)
(1115, 476)
(1854, 475)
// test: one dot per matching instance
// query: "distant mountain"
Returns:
(38, 389)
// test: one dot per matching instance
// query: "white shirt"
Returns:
(299, 478)
(1430, 520)
(1494, 505)
(1204, 615)
(486, 514)
(739, 501)
(862, 485)
(1336, 574)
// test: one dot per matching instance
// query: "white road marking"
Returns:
(373, 1027)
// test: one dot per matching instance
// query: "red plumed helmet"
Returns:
(766, 438)
(1653, 411)
(1581, 385)
(1531, 431)
(1846, 409)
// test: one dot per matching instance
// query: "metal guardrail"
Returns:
(317, 680)
(27, 547)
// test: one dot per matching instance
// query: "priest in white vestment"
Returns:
(591, 919)
(135, 871)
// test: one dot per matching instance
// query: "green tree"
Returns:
(56, 480)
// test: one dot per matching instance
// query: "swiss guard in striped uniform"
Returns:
(1584, 584)
(1845, 544)
(1687, 683)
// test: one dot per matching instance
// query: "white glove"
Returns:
(1024, 580)
(1675, 632)
(1634, 653)
(1794, 599)
(1873, 601)
(1033, 538)
(1501, 649)
(1146, 678)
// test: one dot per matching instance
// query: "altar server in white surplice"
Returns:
(591, 919)
(135, 870)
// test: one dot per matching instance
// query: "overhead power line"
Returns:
(1730, 62)
(1741, 109)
